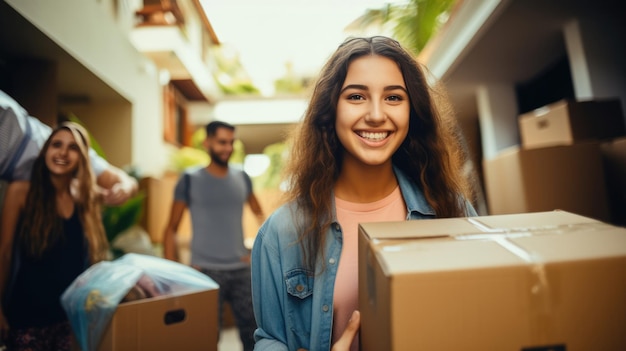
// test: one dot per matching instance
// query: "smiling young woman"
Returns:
(372, 121)
(373, 146)
(50, 234)
(63, 154)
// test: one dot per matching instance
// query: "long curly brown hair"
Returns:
(431, 155)
(41, 226)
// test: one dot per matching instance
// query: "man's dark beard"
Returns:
(215, 158)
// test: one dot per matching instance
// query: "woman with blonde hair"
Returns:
(51, 232)
(375, 145)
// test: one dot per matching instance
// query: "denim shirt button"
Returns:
(325, 308)
(331, 261)
(299, 288)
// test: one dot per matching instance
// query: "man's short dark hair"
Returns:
(212, 127)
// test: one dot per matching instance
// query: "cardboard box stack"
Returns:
(535, 281)
(568, 122)
(569, 177)
(560, 163)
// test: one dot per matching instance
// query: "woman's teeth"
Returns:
(373, 136)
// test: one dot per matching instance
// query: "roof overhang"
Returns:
(502, 41)
(170, 51)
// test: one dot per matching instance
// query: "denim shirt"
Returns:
(292, 305)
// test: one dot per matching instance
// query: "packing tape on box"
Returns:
(540, 296)
(540, 285)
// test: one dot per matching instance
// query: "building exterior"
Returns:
(499, 59)
(127, 69)
(502, 58)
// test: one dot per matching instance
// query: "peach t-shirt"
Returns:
(349, 215)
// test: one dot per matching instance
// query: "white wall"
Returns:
(497, 110)
(597, 52)
(87, 30)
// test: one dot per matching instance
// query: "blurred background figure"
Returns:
(22, 137)
(215, 196)
(51, 232)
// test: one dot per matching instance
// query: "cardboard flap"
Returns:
(487, 241)
(533, 221)
(583, 243)
(426, 229)
(439, 256)
(450, 227)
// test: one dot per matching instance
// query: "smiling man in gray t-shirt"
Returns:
(215, 196)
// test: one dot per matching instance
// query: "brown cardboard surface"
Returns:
(403, 230)
(614, 156)
(566, 122)
(534, 220)
(159, 197)
(141, 325)
(569, 178)
(558, 280)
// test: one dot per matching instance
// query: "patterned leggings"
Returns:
(235, 288)
(56, 337)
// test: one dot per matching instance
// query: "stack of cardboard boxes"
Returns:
(528, 277)
(569, 151)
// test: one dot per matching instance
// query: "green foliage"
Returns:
(92, 141)
(117, 219)
(244, 88)
(197, 138)
(290, 83)
(186, 157)
(229, 74)
(196, 155)
(415, 22)
(239, 153)
(375, 16)
(271, 178)
(287, 85)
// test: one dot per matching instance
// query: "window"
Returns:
(176, 126)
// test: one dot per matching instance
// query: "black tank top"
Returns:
(35, 299)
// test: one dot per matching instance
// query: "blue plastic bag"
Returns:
(91, 300)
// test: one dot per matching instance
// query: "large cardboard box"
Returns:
(566, 122)
(614, 156)
(157, 205)
(536, 281)
(175, 322)
(569, 178)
